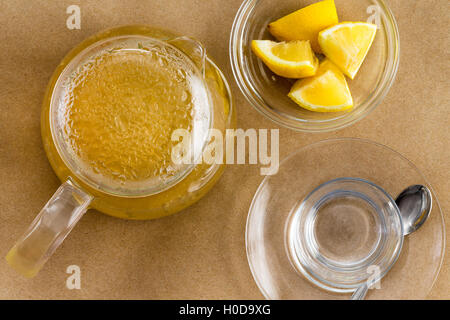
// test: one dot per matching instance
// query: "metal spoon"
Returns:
(415, 203)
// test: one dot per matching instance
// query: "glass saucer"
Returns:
(270, 219)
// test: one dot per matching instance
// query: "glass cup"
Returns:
(341, 231)
(268, 93)
(82, 187)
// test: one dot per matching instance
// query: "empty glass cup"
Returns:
(343, 233)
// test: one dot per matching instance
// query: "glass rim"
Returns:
(257, 101)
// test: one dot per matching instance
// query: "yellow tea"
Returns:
(112, 113)
(121, 108)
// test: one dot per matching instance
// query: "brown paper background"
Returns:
(198, 253)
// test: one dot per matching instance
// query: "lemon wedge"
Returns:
(306, 23)
(327, 91)
(293, 59)
(347, 44)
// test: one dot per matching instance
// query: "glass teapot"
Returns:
(127, 196)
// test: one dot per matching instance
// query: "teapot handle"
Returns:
(193, 49)
(48, 230)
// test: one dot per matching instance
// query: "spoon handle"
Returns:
(360, 293)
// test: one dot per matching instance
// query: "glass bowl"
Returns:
(267, 93)
(347, 234)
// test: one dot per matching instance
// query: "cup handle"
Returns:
(49, 229)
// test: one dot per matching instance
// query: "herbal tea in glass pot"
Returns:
(107, 122)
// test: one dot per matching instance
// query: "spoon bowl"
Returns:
(415, 204)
